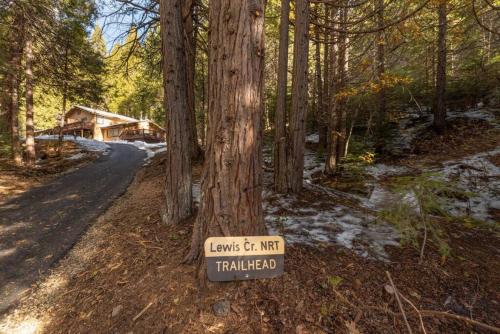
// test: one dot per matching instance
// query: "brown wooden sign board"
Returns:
(243, 258)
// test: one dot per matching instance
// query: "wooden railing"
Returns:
(141, 134)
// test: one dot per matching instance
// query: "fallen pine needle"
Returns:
(143, 311)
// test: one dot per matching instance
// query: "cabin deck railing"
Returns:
(141, 134)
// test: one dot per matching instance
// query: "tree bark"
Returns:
(203, 107)
(178, 193)
(319, 110)
(17, 39)
(231, 200)
(64, 102)
(30, 129)
(327, 83)
(440, 104)
(337, 125)
(190, 54)
(299, 96)
(343, 77)
(280, 136)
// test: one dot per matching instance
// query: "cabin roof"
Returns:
(103, 113)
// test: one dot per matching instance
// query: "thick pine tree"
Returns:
(178, 193)
(231, 200)
(299, 97)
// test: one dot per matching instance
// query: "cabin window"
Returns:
(113, 132)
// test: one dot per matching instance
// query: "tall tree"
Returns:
(318, 81)
(299, 96)
(231, 200)
(280, 136)
(16, 40)
(190, 54)
(440, 104)
(178, 193)
(337, 125)
(30, 129)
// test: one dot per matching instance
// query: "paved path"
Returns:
(38, 228)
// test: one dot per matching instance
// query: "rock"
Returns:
(389, 289)
(116, 310)
(357, 284)
(221, 308)
(495, 205)
(454, 305)
(301, 329)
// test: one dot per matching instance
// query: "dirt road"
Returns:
(39, 227)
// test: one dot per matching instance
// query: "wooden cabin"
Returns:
(103, 125)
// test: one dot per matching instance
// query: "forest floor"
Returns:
(126, 274)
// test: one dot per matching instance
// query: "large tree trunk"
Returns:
(380, 68)
(190, 54)
(319, 111)
(299, 96)
(203, 106)
(440, 105)
(280, 149)
(64, 103)
(17, 40)
(30, 129)
(178, 194)
(327, 82)
(231, 200)
(337, 125)
(343, 141)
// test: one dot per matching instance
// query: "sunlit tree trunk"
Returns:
(30, 129)
(299, 96)
(280, 136)
(231, 200)
(17, 40)
(178, 194)
(440, 105)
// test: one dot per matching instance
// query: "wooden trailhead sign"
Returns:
(242, 258)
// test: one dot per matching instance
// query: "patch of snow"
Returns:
(482, 114)
(77, 156)
(312, 164)
(196, 192)
(88, 144)
(324, 221)
(478, 176)
(382, 170)
(312, 138)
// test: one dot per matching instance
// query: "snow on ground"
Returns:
(325, 222)
(77, 156)
(312, 164)
(477, 113)
(382, 170)
(478, 175)
(151, 149)
(312, 138)
(88, 144)
(475, 175)
(93, 145)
